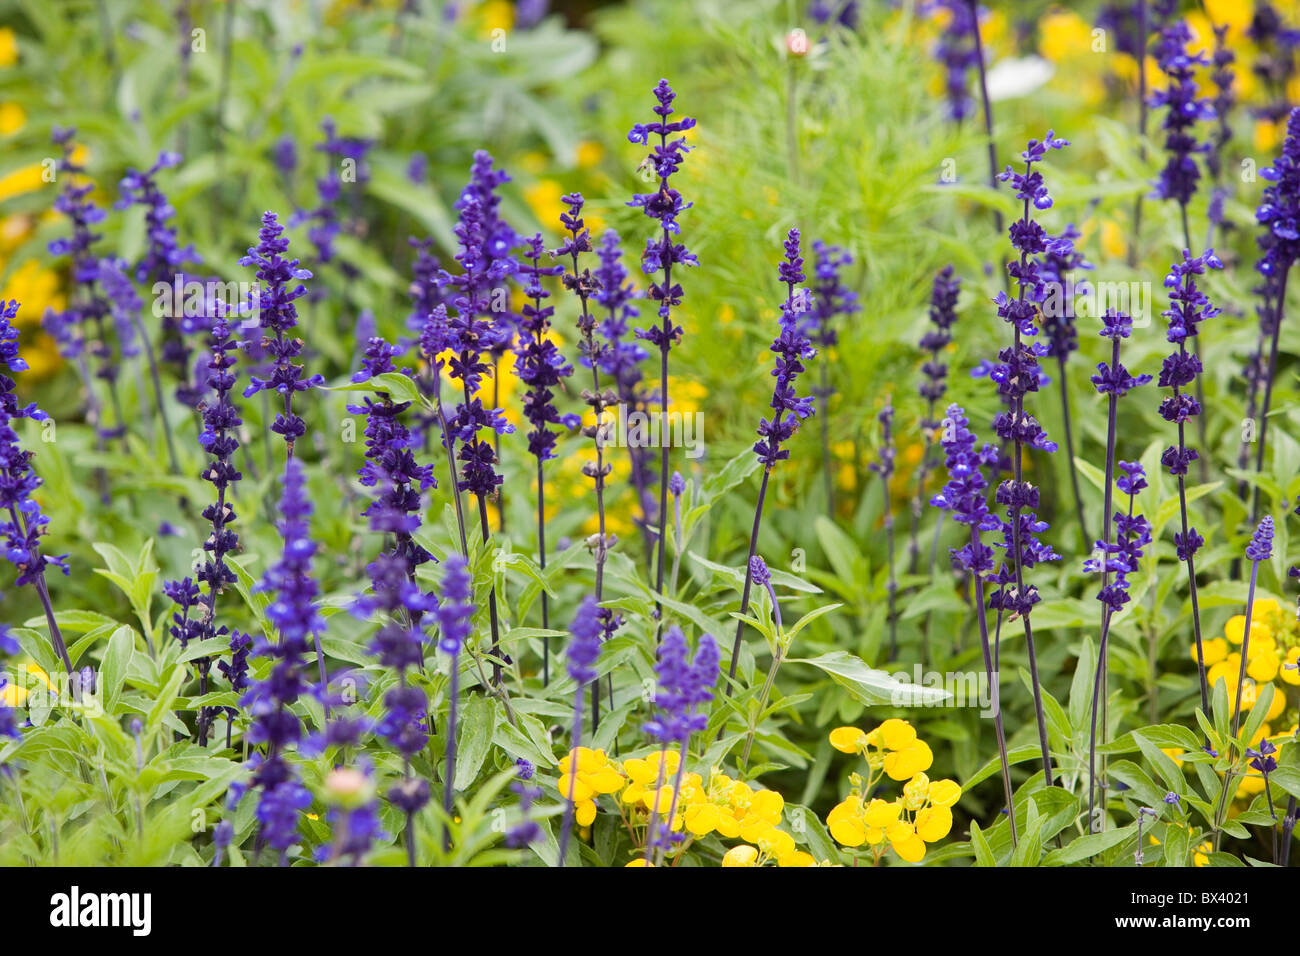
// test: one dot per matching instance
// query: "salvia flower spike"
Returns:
(1188, 308)
(685, 686)
(831, 300)
(934, 383)
(1259, 550)
(542, 368)
(277, 316)
(965, 497)
(1121, 557)
(81, 329)
(295, 613)
(1278, 213)
(1017, 374)
(22, 522)
(620, 360)
(661, 254)
(789, 409)
(584, 285)
(219, 439)
(471, 336)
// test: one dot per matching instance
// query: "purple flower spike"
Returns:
(278, 317)
(792, 348)
(270, 702)
(1261, 542)
(584, 648)
(1185, 109)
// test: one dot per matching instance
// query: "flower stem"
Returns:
(1101, 682)
(541, 563)
(995, 689)
(1268, 390)
(1142, 124)
(449, 771)
(566, 823)
(1245, 648)
(158, 393)
(1069, 451)
(749, 579)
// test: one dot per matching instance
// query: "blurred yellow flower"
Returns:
(1267, 136)
(24, 179)
(1112, 240)
(8, 47)
(495, 15)
(1237, 14)
(36, 288)
(12, 118)
(1063, 34)
(543, 198)
(590, 153)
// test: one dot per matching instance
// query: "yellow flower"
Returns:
(916, 791)
(1237, 14)
(848, 740)
(8, 47)
(1235, 629)
(12, 118)
(36, 288)
(589, 154)
(1063, 35)
(881, 814)
(1113, 240)
(911, 760)
(944, 793)
(1226, 670)
(1278, 705)
(731, 808)
(24, 179)
(584, 779)
(1264, 665)
(906, 842)
(496, 15)
(1214, 650)
(1267, 136)
(1202, 855)
(846, 823)
(896, 734)
(742, 855)
(933, 823)
(543, 198)
(1290, 673)
(639, 861)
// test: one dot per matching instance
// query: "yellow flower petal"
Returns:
(905, 764)
(743, 855)
(933, 823)
(897, 734)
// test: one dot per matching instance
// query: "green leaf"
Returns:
(1089, 845)
(473, 738)
(115, 664)
(870, 686)
(399, 387)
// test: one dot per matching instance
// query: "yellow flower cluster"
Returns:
(921, 815)
(1273, 646)
(584, 779)
(730, 808)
